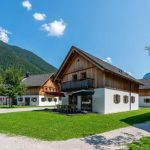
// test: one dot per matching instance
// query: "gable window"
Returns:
(74, 77)
(147, 100)
(132, 99)
(83, 75)
(116, 99)
(125, 99)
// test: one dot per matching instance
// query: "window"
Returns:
(83, 75)
(60, 98)
(125, 99)
(20, 99)
(50, 99)
(147, 100)
(33, 99)
(43, 99)
(74, 77)
(132, 99)
(116, 99)
(55, 100)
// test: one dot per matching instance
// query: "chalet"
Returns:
(95, 85)
(144, 93)
(41, 91)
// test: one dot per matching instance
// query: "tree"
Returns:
(11, 84)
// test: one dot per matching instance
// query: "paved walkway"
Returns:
(112, 140)
(10, 110)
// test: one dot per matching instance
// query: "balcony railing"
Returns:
(77, 85)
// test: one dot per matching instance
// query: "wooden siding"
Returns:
(49, 86)
(117, 82)
(78, 64)
(32, 91)
(144, 92)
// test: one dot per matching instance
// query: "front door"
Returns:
(27, 101)
(86, 102)
(72, 100)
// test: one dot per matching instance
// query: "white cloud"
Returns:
(108, 60)
(26, 4)
(39, 16)
(128, 72)
(4, 35)
(55, 28)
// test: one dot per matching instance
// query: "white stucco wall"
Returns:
(142, 103)
(98, 100)
(103, 101)
(65, 100)
(39, 101)
(3, 100)
(79, 103)
(47, 103)
(111, 107)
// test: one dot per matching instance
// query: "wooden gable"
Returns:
(48, 86)
(76, 63)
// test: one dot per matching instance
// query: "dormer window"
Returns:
(74, 77)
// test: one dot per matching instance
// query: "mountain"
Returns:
(13, 56)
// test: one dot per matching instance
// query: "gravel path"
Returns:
(10, 110)
(112, 140)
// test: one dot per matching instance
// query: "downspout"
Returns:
(130, 96)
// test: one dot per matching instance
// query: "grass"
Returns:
(52, 126)
(142, 144)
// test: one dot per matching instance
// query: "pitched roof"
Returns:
(104, 65)
(36, 80)
(146, 83)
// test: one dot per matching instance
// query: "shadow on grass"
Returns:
(60, 113)
(101, 142)
(138, 121)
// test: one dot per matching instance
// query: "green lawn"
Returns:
(14, 106)
(17, 106)
(52, 126)
(142, 144)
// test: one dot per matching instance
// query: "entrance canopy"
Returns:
(59, 94)
(83, 92)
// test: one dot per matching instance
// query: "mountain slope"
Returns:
(23, 59)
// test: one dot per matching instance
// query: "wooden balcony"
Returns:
(77, 85)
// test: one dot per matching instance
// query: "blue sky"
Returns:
(105, 28)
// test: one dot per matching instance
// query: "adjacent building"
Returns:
(144, 92)
(95, 85)
(41, 91)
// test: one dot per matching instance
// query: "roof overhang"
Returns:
(83, 92)
(59, 94)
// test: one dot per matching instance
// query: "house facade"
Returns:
(94, 85)
(144, 92)
(40, 91)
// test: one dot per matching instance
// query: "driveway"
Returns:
(10, 110)
(112, 140)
